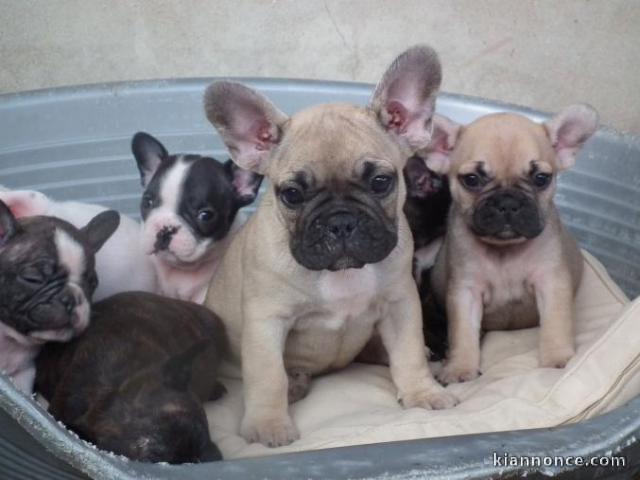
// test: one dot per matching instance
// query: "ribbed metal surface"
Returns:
(21, 458)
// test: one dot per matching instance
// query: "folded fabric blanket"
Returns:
(358, 405)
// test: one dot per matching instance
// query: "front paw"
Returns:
(454, 373)
(271, 432)
(556, 357)
(433, 399)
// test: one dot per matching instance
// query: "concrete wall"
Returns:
(543, 54)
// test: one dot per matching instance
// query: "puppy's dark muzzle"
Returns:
(343, 237)
(506, 215)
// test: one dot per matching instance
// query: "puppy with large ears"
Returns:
(327, 257)
(507, 261)
(190, 212)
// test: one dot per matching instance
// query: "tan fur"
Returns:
(281, 315)
(489, 286)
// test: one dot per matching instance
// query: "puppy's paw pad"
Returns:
(557, 358)
(430, 400)
(452, 373)
(270, 433)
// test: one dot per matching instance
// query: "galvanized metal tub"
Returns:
(73, 143)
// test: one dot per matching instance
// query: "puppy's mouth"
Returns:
(345, 263)
(503, 239)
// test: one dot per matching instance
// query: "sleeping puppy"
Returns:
(120, 264)
(327, 257)
(507, 261)
(134, 383)
(190, 213)
(47, 279)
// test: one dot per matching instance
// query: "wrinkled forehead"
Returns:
(45, 237)
(327, 137)
(504, 145)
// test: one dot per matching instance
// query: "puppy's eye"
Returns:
(471, 181)
(291, 196)
(32, 277)
(541, 180)
(381, 184)
(206, 215)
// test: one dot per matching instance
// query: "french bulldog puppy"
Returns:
(507, 261)
(327, 257)
(427, 206)
(190, 213)
(134, 383)
(121, 263)
(47, 279)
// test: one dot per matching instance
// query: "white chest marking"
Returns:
(347, 294)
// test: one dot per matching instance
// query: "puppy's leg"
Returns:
(401, 332)
(425, 257)
(464, 309)
(266, 419)
(554, 298)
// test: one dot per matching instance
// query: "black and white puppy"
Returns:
(190, 212)
(47, 279)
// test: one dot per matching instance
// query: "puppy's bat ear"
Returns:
(569, 130)
(25, 203)
(100, 229)
(405, 97)
(245, 183)
(437, 153)
(8, 224)
(249, 124)
(422, 182)
(149, 154)
(176, 372)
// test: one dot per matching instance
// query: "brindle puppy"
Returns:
(134, 383)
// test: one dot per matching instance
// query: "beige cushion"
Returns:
(358, 405)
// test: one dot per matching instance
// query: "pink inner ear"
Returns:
(243, 183)
(398, 115)
(19, 207)
(261, 131)
(23, 204)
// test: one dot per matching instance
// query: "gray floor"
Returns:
(542, 54)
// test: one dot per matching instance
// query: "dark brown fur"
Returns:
(134, 383)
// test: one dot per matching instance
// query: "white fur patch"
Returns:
(171, 188)
(71, 255)
(347, 293)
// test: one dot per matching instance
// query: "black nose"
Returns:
(341, 224)
(507, 203)
(163, 238)
(68, 300)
